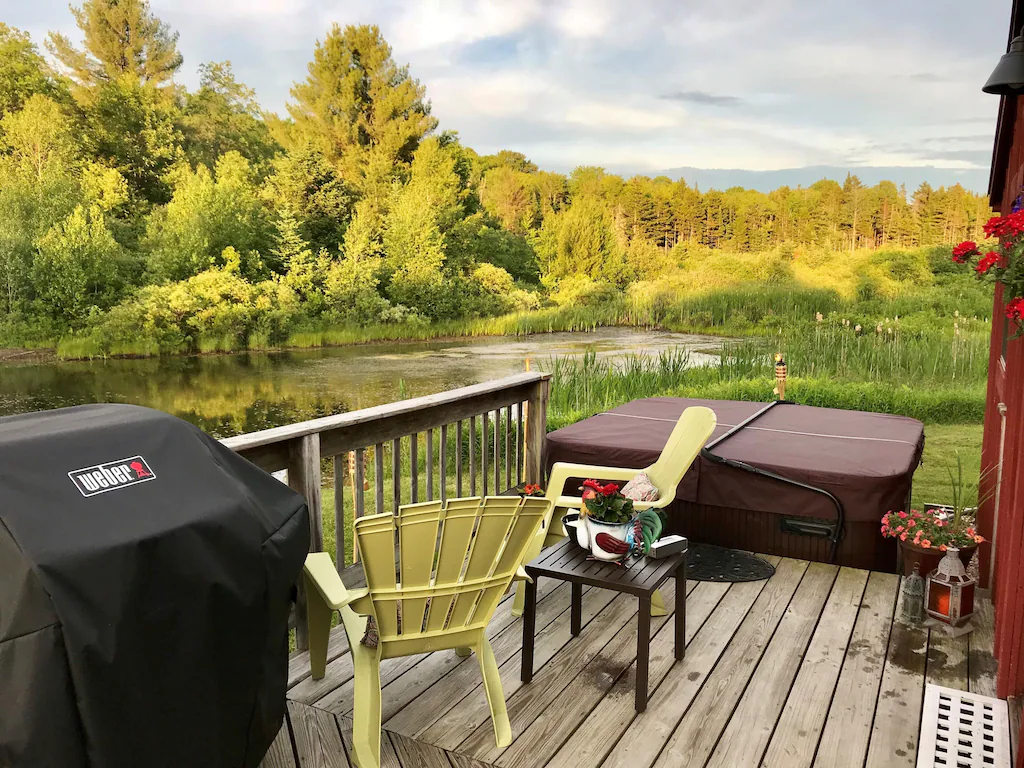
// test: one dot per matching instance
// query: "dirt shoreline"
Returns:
(15, 355)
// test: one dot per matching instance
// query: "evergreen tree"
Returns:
(122, 38)
(361, 109)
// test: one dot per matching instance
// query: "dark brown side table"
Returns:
(640, 577)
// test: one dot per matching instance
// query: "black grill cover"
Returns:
(143, 609)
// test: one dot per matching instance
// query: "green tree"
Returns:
(132, 127)
(24, 73)
(361, 109)
(122, 38)
(208, 213)
(40, 140)
(509, 196)
(76, 267)
(305, 183)
(583, 243)
(223, 115)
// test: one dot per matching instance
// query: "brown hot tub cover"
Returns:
(866, 460)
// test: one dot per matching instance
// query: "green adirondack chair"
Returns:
(455, 560)
(691, 432)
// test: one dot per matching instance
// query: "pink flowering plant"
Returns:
(934, 529)
(941, 528)
(1000, 259)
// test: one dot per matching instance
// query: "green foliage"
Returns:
(40, 140)
(75, 269)
(122, 38)
(305, 183)
(209, 212)
(130, 126)
(224, 116)
(24, 73)
(361, 109)
(581, 241)
(351, 292)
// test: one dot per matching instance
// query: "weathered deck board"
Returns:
(539, 742)
(280, 754)
(807, 668)
(711, 691)
(760, 718)
(750, 720)
(601, 731)
(981, 664)
(894, 733)
(410, 752)
(435, 689)
(947, 660)
(317, 740)
(584, 690)
(529, 701)
(847, 727)
(452, 727)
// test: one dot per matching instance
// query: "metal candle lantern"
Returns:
(913, 597)
(951, 592)
(780, 377)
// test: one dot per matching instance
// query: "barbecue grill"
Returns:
(146, 578)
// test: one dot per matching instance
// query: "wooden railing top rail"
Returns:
(367, 426)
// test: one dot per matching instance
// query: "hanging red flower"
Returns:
(986, 262)
(964, 251)
(1015, 308)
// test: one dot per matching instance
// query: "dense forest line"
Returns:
(138, 216)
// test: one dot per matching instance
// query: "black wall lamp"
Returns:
(1008, 76)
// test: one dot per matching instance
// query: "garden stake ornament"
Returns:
(780, 377)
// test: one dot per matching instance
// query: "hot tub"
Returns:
(781, 479)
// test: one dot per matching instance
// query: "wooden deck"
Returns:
(809, 668)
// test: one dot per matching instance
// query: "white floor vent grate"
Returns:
(963, 730)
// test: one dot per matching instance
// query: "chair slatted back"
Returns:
(451, 564)
(689, 435)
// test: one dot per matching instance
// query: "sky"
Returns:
(642, 85)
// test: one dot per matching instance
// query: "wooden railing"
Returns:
(474, 433)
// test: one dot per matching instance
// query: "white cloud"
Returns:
(784, 83)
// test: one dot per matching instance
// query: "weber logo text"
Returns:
(111, 476)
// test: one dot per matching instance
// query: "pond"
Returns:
(230, 394)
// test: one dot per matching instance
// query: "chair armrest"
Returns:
(522, 575)
(563, 470)
(320, 572)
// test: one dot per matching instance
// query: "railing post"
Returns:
(304, 477)
(536, 430)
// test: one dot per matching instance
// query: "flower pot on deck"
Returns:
(928, 559)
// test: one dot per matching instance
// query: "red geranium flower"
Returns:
(964, 251)
(986, 262)
(1015, 309)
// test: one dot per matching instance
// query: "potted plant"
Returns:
(606, 511)
(1002, 260)
(924, 537)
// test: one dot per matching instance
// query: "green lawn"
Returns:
(941, 445)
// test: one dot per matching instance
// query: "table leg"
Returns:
(643, 652)
(576, 610)
(681, 611)
(529, 627)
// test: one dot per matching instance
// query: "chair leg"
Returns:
(535, 548)
(658, 604)
(318, 622)
(366, 711)
(495, 693)
(463, 653)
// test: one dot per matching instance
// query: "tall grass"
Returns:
(584, 386)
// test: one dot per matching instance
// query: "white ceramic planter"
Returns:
(616, 530)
